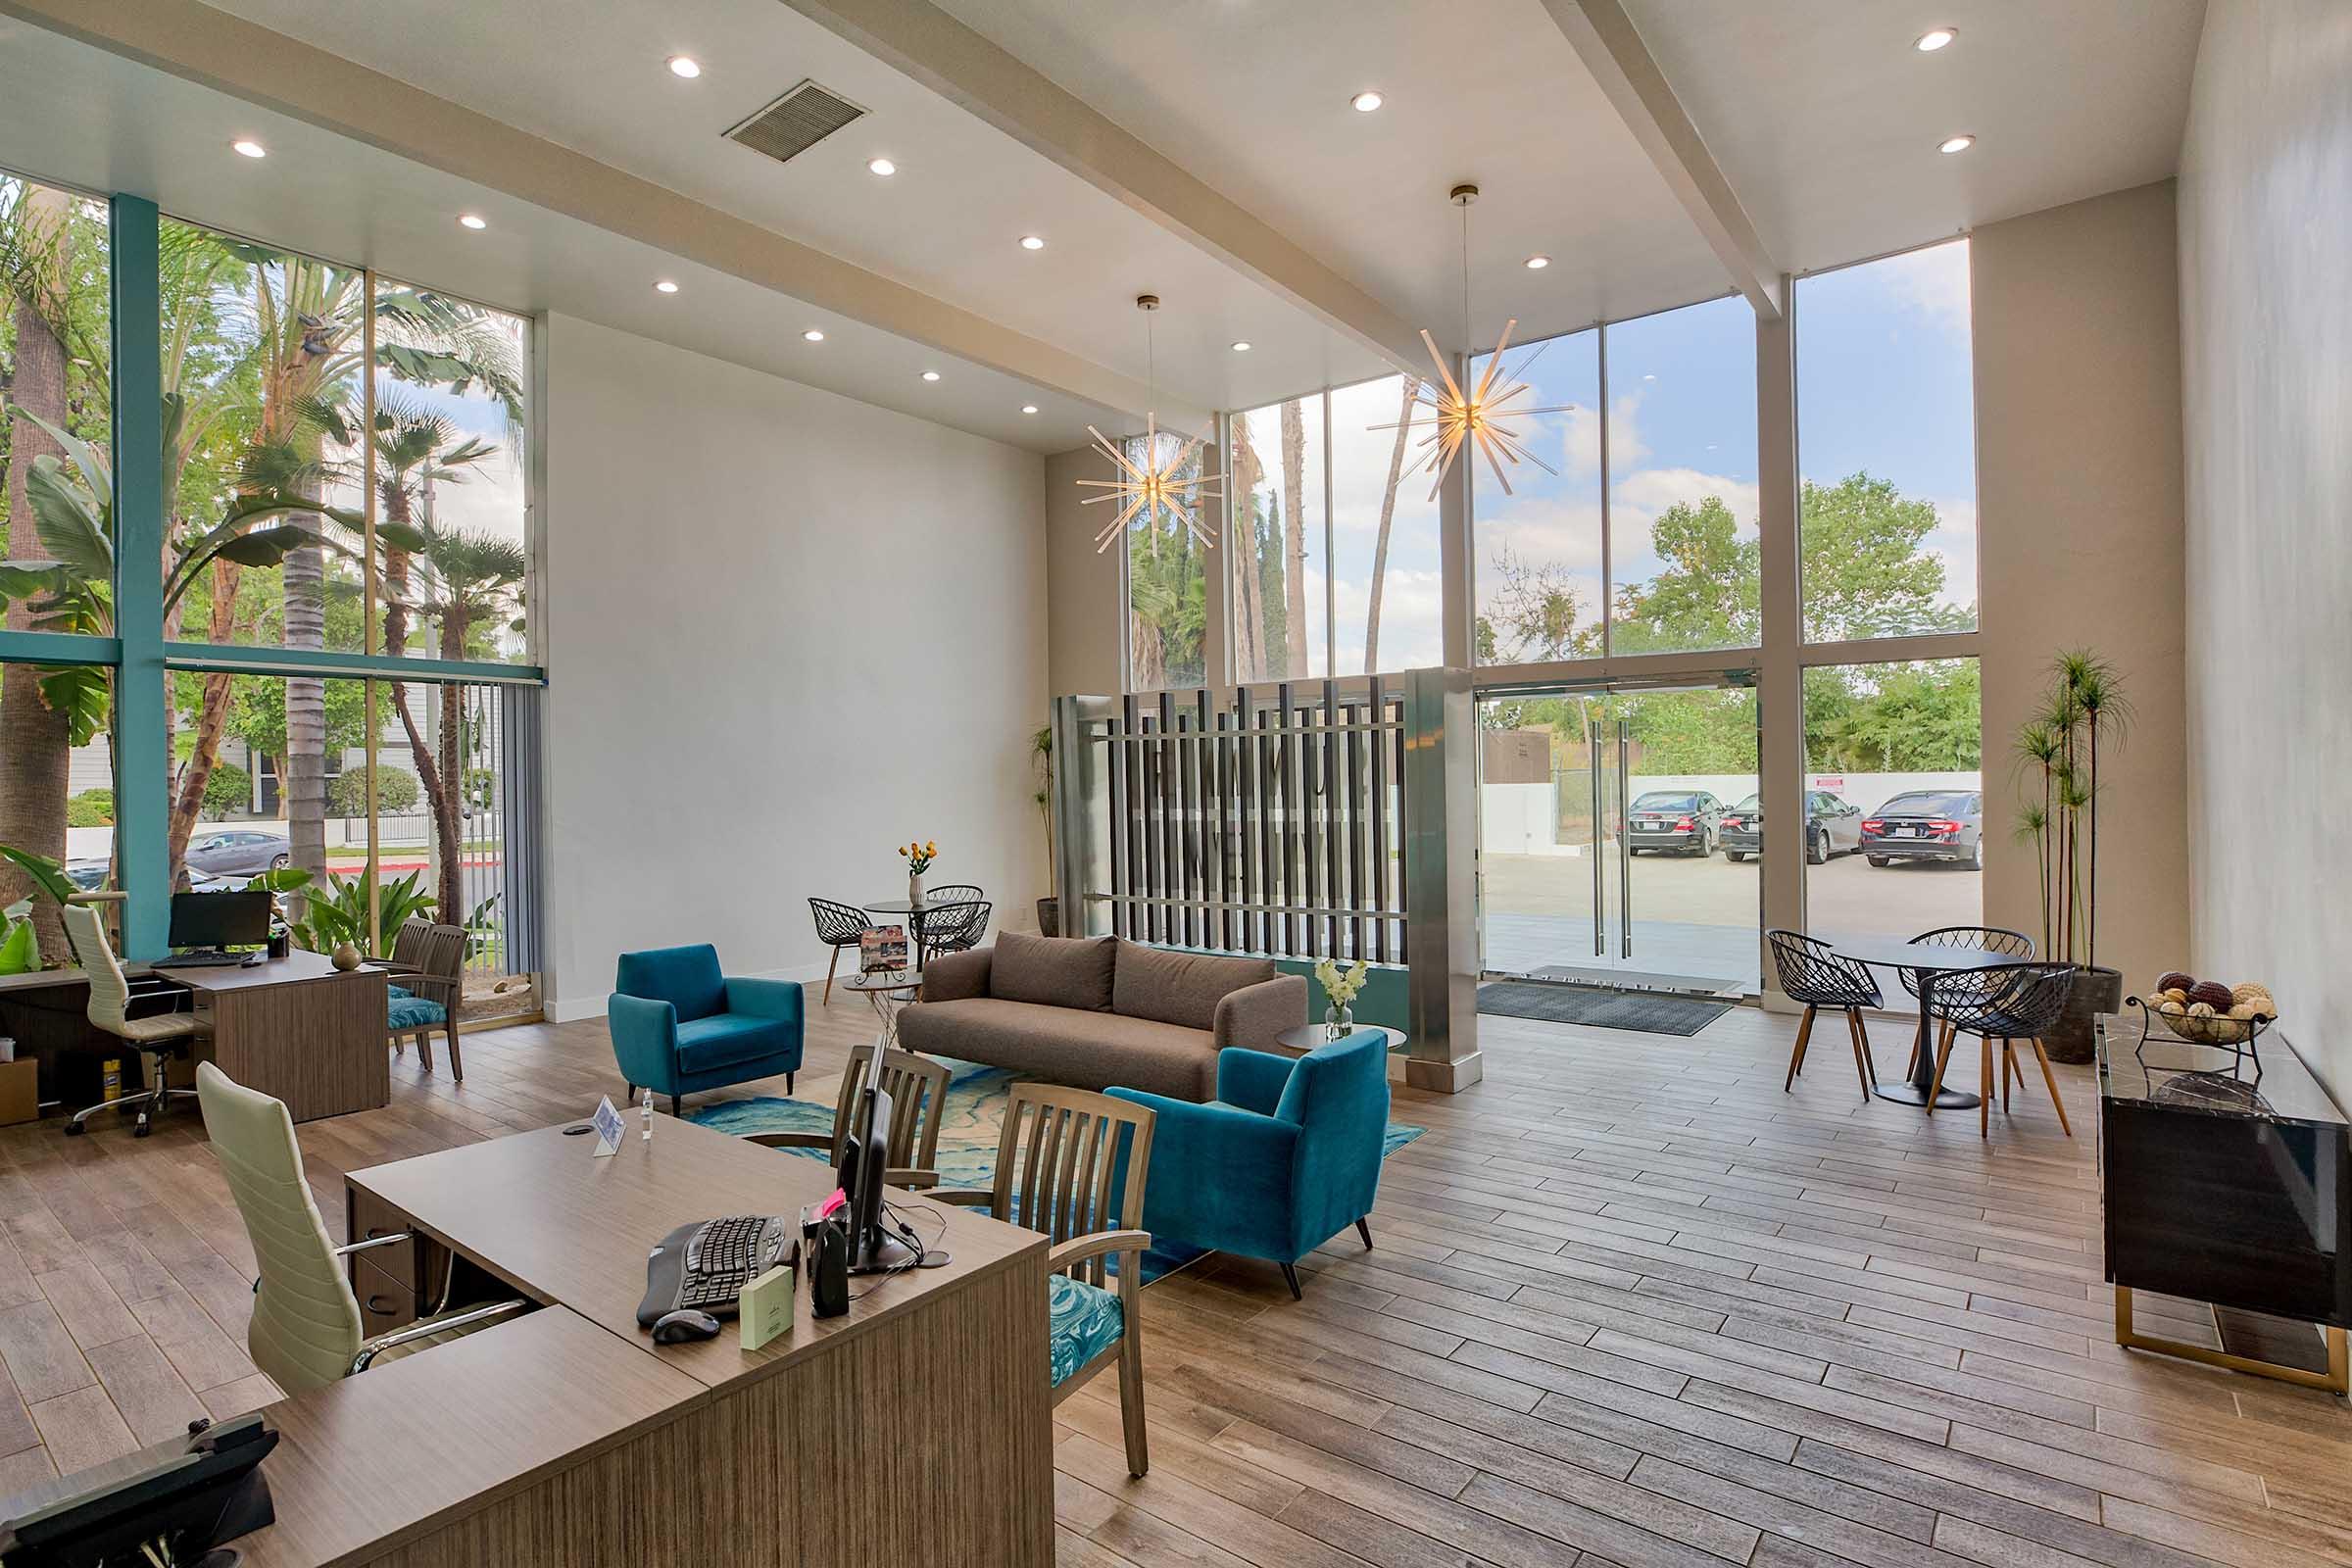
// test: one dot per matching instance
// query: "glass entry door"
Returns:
(1620, 831)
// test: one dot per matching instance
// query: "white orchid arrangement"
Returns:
(1340, 984)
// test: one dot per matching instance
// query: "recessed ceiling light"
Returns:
(1956, 144)
(930, 376)
(1030, 242)
(812, 335)
(1365, 102)
(472, 221)
(666, 287)
(1537, 264)
(685, 66)
(883, 167)
(1028, 408)
(247, 147)
(1241, 346)
(1934, 40)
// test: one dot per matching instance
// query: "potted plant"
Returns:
(918, 856)
(19, 946)
(1041, 765)
(2059, 752)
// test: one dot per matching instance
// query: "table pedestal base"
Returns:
(1903, 1091)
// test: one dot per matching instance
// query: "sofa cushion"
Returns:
(1182, 987)
(1055, 971)
(1080, 1049)
(687, 978)
(727, 1039)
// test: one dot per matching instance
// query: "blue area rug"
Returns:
(972, 1121)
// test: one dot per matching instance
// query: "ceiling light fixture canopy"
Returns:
(247, 147)
(666, 287)
(812, 335)
(1365, 102)
(1157, 486)
(1956, 144)
(883, 167)
(1030, 242)
(1241, 346)
(1028, 408)
(1537, 264)
(1935, 38)
(472, 221)
(1466, 413)
(685, 66)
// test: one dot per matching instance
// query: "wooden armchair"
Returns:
(910, 1148)
(1072, 1163)
(428, 970)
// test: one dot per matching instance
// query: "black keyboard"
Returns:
(707, 1265)
(202, 961)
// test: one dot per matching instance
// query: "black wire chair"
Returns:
(1992, 938)
(952, 927)
(954, 893)
(1813, 972)
(838, 926)
(2009, 1003)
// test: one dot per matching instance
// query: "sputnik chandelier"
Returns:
(1159, 484)
(1481, 415)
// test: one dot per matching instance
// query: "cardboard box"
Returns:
(19, 1091)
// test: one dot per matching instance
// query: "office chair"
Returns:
(1072, 1163)
(156, 1038)
(910, 1145)
(307, 1330)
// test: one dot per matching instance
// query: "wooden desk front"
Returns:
(297, 1028)
(916, 1428)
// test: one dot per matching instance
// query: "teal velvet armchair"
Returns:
(679, 1026)
(1285, 1157)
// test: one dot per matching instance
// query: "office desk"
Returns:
(916, 1428)
(297, 1028)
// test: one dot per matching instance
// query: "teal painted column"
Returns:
(141, 770)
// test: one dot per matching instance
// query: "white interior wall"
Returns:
(2266, 319)
(785, 633)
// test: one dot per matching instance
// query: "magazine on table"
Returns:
(882, 950)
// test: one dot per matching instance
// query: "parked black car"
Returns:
(1681, 820)
(1928, 825)
(1833, 826)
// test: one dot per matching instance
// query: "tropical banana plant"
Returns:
(19, 946)
(339, 913)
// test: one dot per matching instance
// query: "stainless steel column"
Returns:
(1440, 845)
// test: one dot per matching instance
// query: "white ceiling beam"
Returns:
(1607, 40)
(215, 49)
(929, 46)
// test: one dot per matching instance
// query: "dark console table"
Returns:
(2228, 1186)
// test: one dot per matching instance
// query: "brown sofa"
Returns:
(1093, 1011)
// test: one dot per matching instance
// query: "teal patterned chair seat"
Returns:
(404, 1009)
(1084, 1321)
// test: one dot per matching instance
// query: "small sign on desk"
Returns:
(609, 1128)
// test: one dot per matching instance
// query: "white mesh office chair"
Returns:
(157, 1039)
(307, 1330)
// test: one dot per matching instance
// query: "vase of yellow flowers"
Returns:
(1340, 985)
(919, 858)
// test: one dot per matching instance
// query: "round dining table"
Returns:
(1927, 961)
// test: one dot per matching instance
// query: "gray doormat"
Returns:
(1607, 1009)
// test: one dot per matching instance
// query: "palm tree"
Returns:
(463, 582)
(1411, 386)
(1294, 480)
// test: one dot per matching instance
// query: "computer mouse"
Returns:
(684, 1326)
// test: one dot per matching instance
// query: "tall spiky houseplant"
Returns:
(2060, 750)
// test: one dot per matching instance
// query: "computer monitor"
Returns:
(237, 919)
(864, 1164)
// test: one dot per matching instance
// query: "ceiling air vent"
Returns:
(795, 123)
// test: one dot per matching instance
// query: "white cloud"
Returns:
(1540, 530)
(1932, 281)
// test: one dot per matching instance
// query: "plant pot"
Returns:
(2073, 1037)
(1048, 918)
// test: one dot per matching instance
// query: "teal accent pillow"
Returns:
(1082, 1320)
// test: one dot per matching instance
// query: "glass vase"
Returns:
(1338, 1021)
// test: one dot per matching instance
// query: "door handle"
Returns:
(1625, 843)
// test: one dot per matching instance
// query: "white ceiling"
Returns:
(1819, 112)
(1825, 119)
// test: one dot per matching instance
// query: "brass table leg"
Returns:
(2337, 1379)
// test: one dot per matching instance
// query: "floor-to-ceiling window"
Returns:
(1538, 548)
(1387, 587)
(1278, 560)
(331, 548)
(1167, 567)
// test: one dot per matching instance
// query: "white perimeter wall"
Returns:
(2266, 327)
(786, 632)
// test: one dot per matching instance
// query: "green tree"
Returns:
(1866, 575)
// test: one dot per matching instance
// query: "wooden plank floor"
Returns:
(1629, 1306)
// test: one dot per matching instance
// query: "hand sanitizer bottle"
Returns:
(645, 1115)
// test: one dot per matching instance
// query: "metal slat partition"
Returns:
(1295, 820)
(1264, 820)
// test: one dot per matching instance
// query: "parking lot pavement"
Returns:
(1688, 909)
